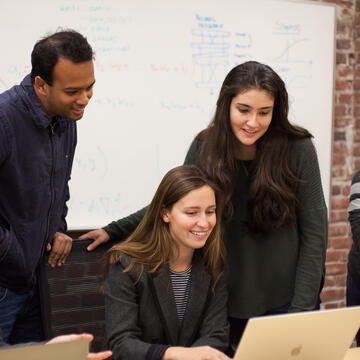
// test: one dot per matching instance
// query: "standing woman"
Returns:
(276, 217)
(165, 291)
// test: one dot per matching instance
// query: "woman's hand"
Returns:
(193, 353)
(100, 236)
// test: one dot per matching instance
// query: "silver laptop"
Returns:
(352, 354)
(69, 350)
(315, 335)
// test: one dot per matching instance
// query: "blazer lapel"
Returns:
(160, 283)
(197, 302)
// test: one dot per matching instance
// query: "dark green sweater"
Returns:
(280, 267)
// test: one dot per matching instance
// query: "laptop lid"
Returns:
(325, 334)
(69, 350)
(352, 354)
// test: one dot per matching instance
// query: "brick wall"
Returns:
(346, 147)
(76, 303)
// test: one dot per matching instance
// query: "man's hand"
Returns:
(99, 236)
(60, 249)
(91, 356)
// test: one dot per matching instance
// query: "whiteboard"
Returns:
(159, 67)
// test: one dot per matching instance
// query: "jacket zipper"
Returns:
(51, 137)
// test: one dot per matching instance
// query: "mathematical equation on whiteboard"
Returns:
(95, 167)
(112, 206)
(213, 49)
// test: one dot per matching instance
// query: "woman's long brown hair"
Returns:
(150, 245)
(272, 200)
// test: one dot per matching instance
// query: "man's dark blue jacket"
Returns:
(36, 154)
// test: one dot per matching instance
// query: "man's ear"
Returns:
(40, 85)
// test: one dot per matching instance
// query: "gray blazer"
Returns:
(141, 318)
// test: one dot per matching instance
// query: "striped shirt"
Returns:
(354, 218)
(354, 195)
(180, 284)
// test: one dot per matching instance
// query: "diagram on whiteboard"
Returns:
(211, 48)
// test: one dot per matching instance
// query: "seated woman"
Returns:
(165, 289)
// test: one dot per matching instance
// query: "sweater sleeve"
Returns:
(354, 209)
(120, 229)
(354, 219)
(312, 229)
(354, 206)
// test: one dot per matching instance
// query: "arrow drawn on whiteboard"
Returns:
(285, 55)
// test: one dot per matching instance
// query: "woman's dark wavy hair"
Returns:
(68, 44)
(272, 200)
